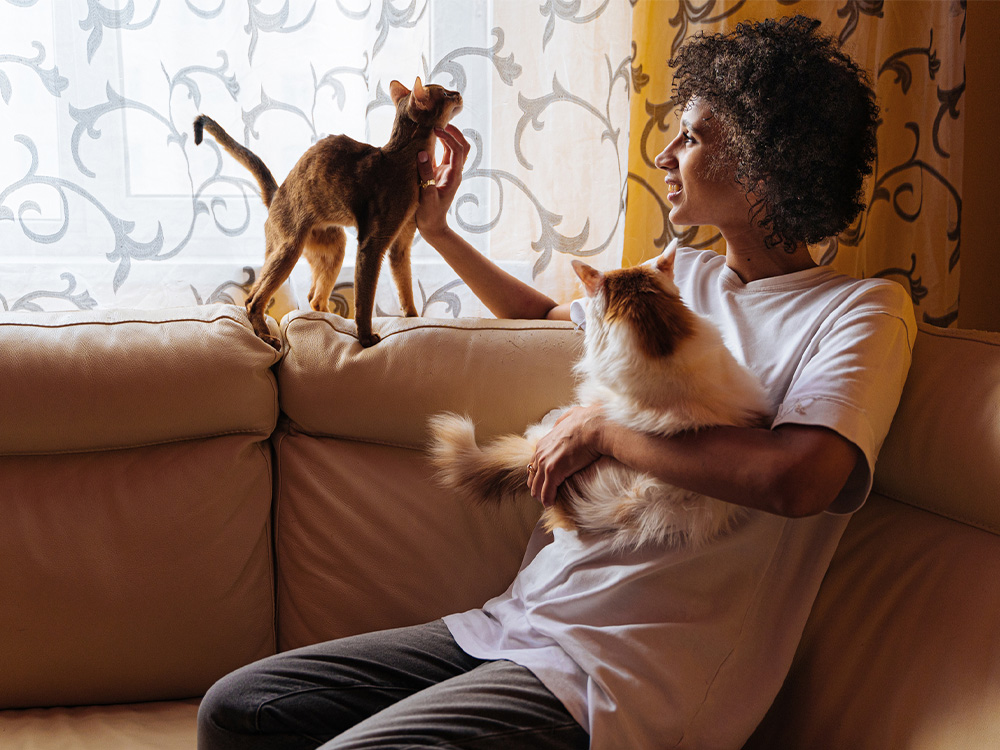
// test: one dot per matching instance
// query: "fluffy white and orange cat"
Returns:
(651, 364)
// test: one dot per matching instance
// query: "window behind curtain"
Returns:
(106, 202)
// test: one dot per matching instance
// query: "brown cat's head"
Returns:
(431, 105)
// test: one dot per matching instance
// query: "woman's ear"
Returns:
(592, 279)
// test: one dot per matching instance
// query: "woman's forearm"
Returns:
(503, 294)
(791, 471)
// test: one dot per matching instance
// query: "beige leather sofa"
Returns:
(176, 499)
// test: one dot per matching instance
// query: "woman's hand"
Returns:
(573, 443)
(432, 212)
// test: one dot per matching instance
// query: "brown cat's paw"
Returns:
(369, 339)
(273, 341)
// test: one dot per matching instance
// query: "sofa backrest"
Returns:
(135, 492)
(364, 538)
(902, 649)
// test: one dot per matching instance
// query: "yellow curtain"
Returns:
(915, 53)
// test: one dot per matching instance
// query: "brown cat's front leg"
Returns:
(399, 264)
(365, 278)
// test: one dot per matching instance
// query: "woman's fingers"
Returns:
(455, 144)
(568, 447)
(425, 167)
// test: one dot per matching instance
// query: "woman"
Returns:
(658, 647)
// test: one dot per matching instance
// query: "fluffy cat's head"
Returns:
(642, 303)
(431, 105)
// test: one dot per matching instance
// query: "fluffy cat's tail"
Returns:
(493, 473)
(241, 153)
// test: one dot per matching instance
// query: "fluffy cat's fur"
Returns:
(652, 365)
(340, 182)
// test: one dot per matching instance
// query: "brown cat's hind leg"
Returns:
(399, 264)
(325, 253)
(282, 253)
(256, 305)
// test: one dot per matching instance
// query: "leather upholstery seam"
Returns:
(966, 521)
(264, 436)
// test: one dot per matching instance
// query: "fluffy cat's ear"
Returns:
(665, 263)
(397, 91)
(421, 97)
(592, 279)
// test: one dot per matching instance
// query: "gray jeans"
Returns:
(405, 688)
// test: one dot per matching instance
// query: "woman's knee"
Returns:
(228, 706)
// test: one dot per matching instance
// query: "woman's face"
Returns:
(702, 191)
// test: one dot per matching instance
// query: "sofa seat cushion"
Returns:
(140, 726)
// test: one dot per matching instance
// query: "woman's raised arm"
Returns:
(504, 295)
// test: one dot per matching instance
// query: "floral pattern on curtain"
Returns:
(914, 52)
(106, 202)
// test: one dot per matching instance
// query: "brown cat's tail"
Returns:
(493, 473)
(241, 153)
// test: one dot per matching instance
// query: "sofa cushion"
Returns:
(96, 380)
(136, 726)
(135, 492)
(364, 538)
(943, 451)
(422, 366)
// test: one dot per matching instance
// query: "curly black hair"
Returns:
(798, 117)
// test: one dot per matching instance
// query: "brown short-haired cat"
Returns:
(651, 364)
(340, 182)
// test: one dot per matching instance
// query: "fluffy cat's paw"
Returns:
(273, 341)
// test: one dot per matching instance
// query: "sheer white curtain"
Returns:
(106, 202)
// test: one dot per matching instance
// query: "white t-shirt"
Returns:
(662, 648)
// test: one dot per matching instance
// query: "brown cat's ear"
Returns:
(592, 279)
(397, 91)
(421, 97)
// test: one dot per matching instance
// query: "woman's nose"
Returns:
(665, 159)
